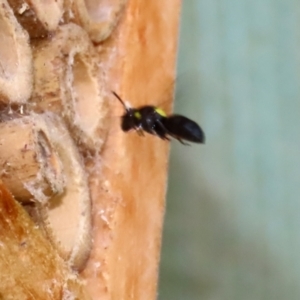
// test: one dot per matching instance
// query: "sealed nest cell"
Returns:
(97, 17)
(15, 59)
(44, 170)
(68, 82)
(31, 166)
(33, 270)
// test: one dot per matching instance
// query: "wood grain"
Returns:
(129, 194)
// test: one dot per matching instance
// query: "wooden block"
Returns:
(129, 194)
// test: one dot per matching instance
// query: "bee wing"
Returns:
(183, 128)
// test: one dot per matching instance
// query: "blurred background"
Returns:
(232, 227)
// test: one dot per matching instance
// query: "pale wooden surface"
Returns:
(129, 196)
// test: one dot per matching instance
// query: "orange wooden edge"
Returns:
(129, 195)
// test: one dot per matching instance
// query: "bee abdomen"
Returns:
(183, 128)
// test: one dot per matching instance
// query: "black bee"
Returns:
(155, 121)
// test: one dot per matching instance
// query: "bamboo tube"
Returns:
(66, 219)
(39, 18)
(129, 193)
(97, 17)
(31, 167)
(68, 82)
(15, 59)
(31, 269)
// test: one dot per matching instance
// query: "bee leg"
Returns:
(161, 125)
(181, 141)
(162, 132)
(139, 131)
(154, 132)
(162, 136)
(167, 132)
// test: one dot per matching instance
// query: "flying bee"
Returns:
(155, 121)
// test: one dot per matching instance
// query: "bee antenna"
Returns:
(120, 99)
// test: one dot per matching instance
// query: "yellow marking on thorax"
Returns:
(160, 112)
(137, 115)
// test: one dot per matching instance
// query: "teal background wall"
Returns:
(232, 227)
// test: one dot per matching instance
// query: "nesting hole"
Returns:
(86, 91)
